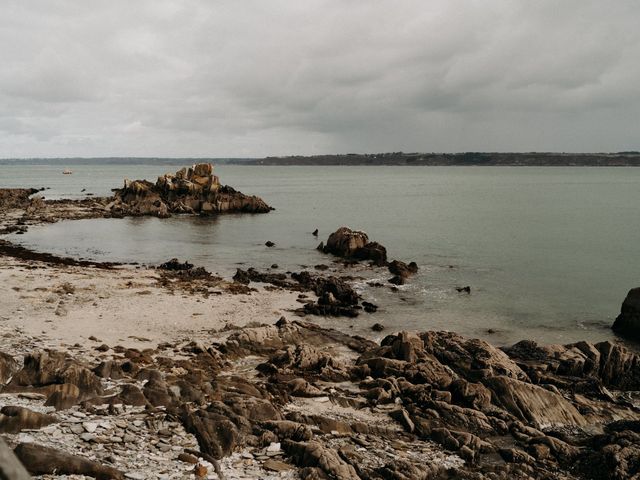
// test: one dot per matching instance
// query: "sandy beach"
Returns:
(62, 306)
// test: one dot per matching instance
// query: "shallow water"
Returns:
(549, 253)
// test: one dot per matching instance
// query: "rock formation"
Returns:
(355, 245)
(628, 322)
(189, 190)
(430, 405)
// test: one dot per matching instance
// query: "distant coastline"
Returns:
(620, 159)
(532, 159)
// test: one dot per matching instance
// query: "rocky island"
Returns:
(169, 372)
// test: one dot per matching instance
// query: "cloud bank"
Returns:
(257, 78)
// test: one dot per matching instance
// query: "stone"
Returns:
(276, 465)
(8, 366)
(627, 324)
(533, 404)
(188, 191)
(41, 460)
(15, 419)
(344, 242)
(10, 467)
(52, 369)
(402, 269)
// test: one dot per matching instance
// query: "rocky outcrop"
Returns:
(16, 197)
(50, 371)
(190, 190)
(355, 245)
(627, 324)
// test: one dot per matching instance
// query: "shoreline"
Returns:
(185, 374)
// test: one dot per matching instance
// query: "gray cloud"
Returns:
(254, 78)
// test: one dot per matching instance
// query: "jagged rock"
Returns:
(627, 324)
(41, 460)
(607, 363)
(288, 430)
(132, 395)
(533, 404)
(157, 393)
(51, 369)
(473, 359)
(193, 190)
(16, 197)
(15, 419)
(216, 434)
(8, 366)
(313, 454)
(65, 397)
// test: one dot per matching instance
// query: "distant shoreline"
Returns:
(533, 159)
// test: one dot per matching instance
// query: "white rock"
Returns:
(90, 427)
(274, 447)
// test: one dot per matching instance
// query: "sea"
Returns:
(549, 253)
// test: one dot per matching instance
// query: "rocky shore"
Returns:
(111, 371)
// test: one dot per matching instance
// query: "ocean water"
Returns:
(549, 253)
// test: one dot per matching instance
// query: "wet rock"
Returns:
(345, 242)
(397, 280)
(372, 251)
(315, 233)
(377, 327)
(466, 289)
(15, 419)
(175, 265)
(402, 269)
(41, 460)
(369, 307)
(627, 324)
(270, 244)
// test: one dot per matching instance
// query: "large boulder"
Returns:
(345, 242)
(628, 322)
(533, 404)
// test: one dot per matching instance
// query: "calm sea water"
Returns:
(549, 253)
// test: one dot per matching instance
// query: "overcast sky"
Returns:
(269, 77)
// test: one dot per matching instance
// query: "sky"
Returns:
(253, 78)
